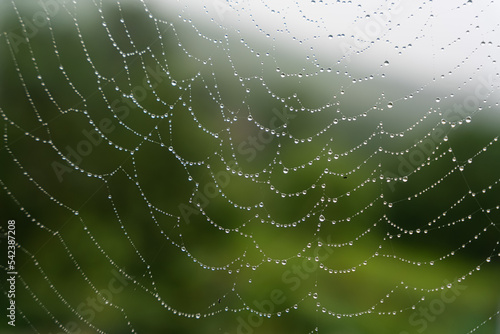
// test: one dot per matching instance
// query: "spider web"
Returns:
(240, 167)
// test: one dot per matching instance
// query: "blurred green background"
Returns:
(183, 96)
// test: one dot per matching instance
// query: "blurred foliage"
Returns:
(60, 271)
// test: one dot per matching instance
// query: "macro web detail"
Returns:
(239, 167)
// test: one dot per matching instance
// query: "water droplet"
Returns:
(174, 83)
(386, 63)
(321, 218)
(389, 105)
(285, 170)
